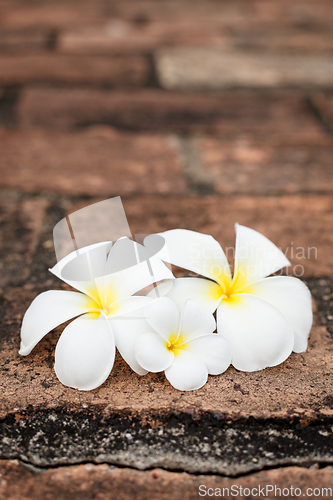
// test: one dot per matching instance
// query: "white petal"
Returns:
(85, 353)
(195, 321)
(80, 268)
(199, 253)
(163, 316)
(129, 304)
(213, 350)
(151, 352)
(187, 372)
(129, 281)
(293, 299)
(258, 334)
(255, 257)
(47, 311)
(126, 330)
(201, 290)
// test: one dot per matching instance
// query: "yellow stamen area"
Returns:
(98, 304)
(175, 345)
(230, 291)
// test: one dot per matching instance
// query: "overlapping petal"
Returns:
(49, 310)
(255, 257)
(293, 299)
(187, 372)
(258, 333)
(123, 306)
(195, 321)
(213, 350)
(80, 268)
(163, 317)
(127, 329)
(129, 281)
(85, 353)
(201, 290)
(199, 253)
(151, 352)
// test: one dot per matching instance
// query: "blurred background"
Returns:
(198, 113)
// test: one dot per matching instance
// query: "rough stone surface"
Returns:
(103, 482)
(97, 161)
(245, 166)
(192, 68)
(230, 114)
(55, 68)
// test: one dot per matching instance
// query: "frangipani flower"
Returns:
(86, 348)
(263, 318)
(183, 346)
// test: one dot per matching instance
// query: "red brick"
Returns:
(19, 481)
(98, 162)
(252, 167)
(225, 113)
(24, 40)
(120, 36)
(47, 68)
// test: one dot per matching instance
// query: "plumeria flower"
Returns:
(183, 346)
(263, 318)
(85, 351)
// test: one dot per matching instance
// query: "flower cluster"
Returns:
(260, 319)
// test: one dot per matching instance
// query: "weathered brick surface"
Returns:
(192, 68)
(229, 114)
(245, 166)
(102, 481)
(21, 226)
(47, 68)
(96, 161)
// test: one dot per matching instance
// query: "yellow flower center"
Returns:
(104, 302)
(229, 290)
(175, 344)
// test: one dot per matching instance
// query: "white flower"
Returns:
(183, 347)
(262, 318)
(86, 349)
